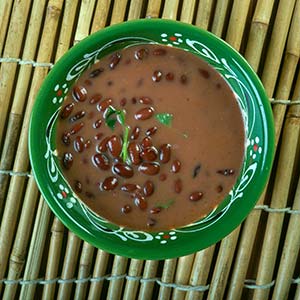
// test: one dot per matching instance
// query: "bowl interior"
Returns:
(259, 146)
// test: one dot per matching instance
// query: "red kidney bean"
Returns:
(98, 136)
(159, 52)
(123, 170)
(87, 144)
(175, 168)
(165, 153)
(67, 160)
(76, 128)
(170, 76)
(104, 104)
(133, 100)
(135, 133)
(79, 144)
(196, 196)
(126, 209)
(157, 75)
(96, 98)
(155, 210)
(101, 161)
(66, 138)
(96, 72)
(114, 60)
(79, 93)
(149, 168)
(141, 53)
(183, 79)
(114, 145)
(123, 101)
(148, 188)
(102, 147)
(129, 187)
(134, 150)
(66, 110)
(151, 222)
(145, 100)
(219, 189)
(109, 183)
(78, 186)
(226, 172)
(178, 186)
(162, 177)
(204, 73)
(151, 131)
(149, 154)
(139, 201)
(146, 142)
(77, 116)
(97, 123)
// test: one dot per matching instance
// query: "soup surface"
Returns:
(151, 138)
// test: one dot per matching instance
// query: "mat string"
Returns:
(248, 283)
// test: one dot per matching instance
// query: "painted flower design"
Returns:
(60, 91)
(165, 237)
(175, 39)
(63, 194)
(255, 147)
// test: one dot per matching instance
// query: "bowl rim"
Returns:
(106, 33)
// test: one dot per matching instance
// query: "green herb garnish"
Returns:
(164, 118)
(166, 205)
(112, 116)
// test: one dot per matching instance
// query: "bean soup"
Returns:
(151, 138)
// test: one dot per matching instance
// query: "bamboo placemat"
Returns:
(40, 259)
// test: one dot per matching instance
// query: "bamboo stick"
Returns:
(69, 266)
(19, 250)
(277, 44)
(5, 9)
(57, 227)
(36, 249)
(170, 9)
(131, 287)
(101, 15)
(84, 269)
(237, 23)
(258, 31)
(167, 277)
(99, 271)
(187, 11)
(84, 20)
(183, 272)
(291, 246)
(251, 224)
(153, 8)
(21, 161)
(12, 49)
(220, 18)
(297, 293)
(135, 9)
(54, 253)
(15, 115)
(146, 287)
(200, 271)
(223, 264)
(204, 14)
(118, 13)
(115, 285)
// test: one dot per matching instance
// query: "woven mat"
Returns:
(40, 259)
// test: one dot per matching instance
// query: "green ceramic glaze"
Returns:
(259, 148)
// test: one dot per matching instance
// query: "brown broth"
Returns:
(174, 174)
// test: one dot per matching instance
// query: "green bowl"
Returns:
(259, 148)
